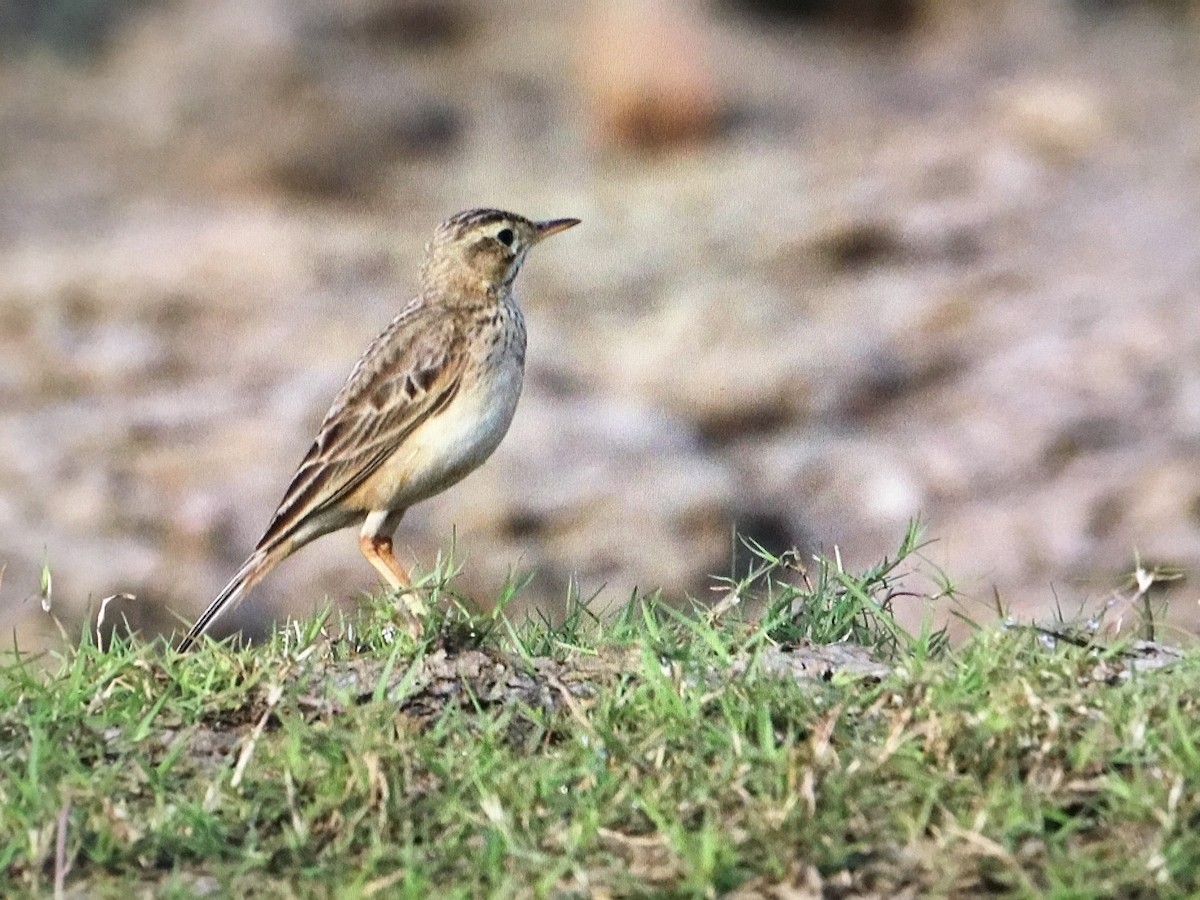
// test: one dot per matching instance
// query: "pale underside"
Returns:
(419, 413)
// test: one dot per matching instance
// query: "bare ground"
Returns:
(947, 272)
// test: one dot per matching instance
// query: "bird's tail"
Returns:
(253, 570)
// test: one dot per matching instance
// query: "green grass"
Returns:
(663, 753)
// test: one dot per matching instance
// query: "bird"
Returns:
(430, 399)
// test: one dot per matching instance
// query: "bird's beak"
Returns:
(543, 230)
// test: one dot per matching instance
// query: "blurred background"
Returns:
(843, 262)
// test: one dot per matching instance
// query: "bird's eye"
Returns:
(505, 236)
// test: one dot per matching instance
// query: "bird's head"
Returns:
(483, 249)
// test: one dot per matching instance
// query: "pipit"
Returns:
(429, 401)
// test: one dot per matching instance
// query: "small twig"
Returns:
(371, 888)
(247, 753)
(100, 616)
(47, 587)
(572, 705)
(61, 864)
(724, 605)
(298, 823)
(1119, 606)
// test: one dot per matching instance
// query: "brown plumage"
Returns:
(429, 401)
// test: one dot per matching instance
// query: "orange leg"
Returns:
(375, 541)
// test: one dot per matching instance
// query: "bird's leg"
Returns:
(375, 541)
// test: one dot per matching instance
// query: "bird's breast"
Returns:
(448, 446)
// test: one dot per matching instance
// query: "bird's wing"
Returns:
(408, 374)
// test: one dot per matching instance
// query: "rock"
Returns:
(647, 75)
(261, 95)
(396, 23)
(1058, 121)
(885, 16)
